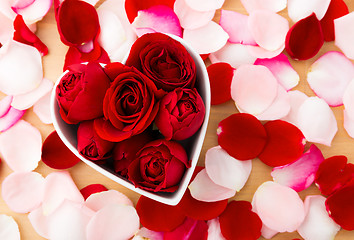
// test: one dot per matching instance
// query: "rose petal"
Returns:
(282, 70)
(344, 37)
(144, 233)
(271, 5)
(23, 185)
(190, 229)
(20, 146)
(20, 68)
(8, 228)
(160, 19)
(348, 99)
(233, 54)
(299, 9)
(42, 109)
(91, 189)
(11, 118)
(268, 233)
(348, 123)
(259, 52)
(225, 170)
(317, 223)
(99, 200)
(6, 27)
(25, 101)
(204, 189)
(56, 154)
(242, 136)
(32, 12)
(59, 186)
(329, 77)
(317, 121)
(253, 88)
(205, 5)
(190, 18)
(207, 39)
(5, 105)
(300, 174)
(280, 208)
(336, 9)
(268, 29)
(297, 98)
(214, 231)
(236, 25)
(39, 222)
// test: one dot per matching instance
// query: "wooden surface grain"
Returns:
(83, 175)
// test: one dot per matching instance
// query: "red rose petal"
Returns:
(91, 189)
(56, 155)
(190, 230)
(239, 222)
(242, 136)
(285, 143)
(133, 6)
(333, 173)
(220, 77)
(158, 216)
(336, 9)
(304, 38)
(341, 208)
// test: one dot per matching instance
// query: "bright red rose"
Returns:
(164, 60)
(181, 114)
(90, 145)
(159, 166)
(81, 91)
(129, 106)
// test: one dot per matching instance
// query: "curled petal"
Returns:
(9, 228)
(271, 5)
(297, 98)
(5, 105)
(205, 5)
(99, 200)
(42, 109)
(344, 36)
(299, 9)
(33, 12)
(10, 118)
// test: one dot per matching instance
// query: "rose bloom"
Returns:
(81, 91)
(181, 114)
(159, 166)
(129, 105)
(90, 145)
(164, 60)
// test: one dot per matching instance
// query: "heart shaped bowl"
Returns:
(192, 145)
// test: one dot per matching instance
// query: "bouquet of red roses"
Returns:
(117, 108)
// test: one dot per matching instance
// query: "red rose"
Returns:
(80, 92)
(164, 60)
(159, 167)
(129, 105)
(181, 114)
(90, 145)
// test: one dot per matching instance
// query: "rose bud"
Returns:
(129, 105)
(181, 114)
(90, 145)
(80, 92)
(159, 166)
(164, 60)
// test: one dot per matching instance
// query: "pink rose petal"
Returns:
(348, 123)
(329, 77)
(296, 100)
(23, 191)
(236, 25)
(113, 222)
(204, 189)
(34, 11)
(300, 174)
(42, 109)
(10, 118)
(282, 70)
(253, 88)
(259, 52)
(299, 9)
(39, 222)
(348, 99)
(225, 170)
(317, 224)
(190, 18)
(205, 5)
(6, 28)
(59, 186)
(280, 208)
(268, 29)
(20, 146)
(20, 68)
(160, 18)
(234, 54)
(214, 231)
(268, 233)
(344, 36)
(99, 200)
(207, 39)
(8, 228)
(271, 5)
(317, 121)
(145, 233)
(5, 105)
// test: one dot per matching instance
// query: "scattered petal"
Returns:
(329, 77)
(271, 5)
(11, 118)
(297, 98)
(207, 39)
(145, 233)
(268, 233)
(8, 228)
(348, 98)
(300, 174)
(39, 222)
(344, 36)
(42, 109)
(6, 27)
(205, 5)
(299, 9)
(348, 123)
(214, 231)
(5, 105)
(259, 52)
(190, 229)
(33, 12)
(28, 139)
(99, 200)
(91, 189)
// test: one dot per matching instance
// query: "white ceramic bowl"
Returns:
(192, 145)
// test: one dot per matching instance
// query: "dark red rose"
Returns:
(159, 167)
(129, 106)
(90, 145)
(81, 91)
(164, 60)
(181, 114)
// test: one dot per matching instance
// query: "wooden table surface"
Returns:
(83, 175)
